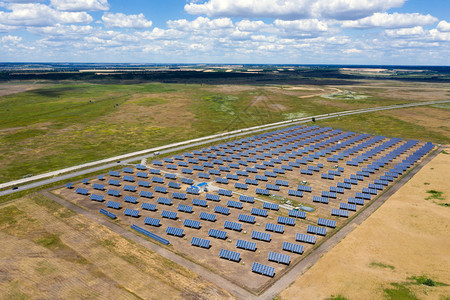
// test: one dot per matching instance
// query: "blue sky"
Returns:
(413, 32)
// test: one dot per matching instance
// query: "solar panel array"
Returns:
(258, 167)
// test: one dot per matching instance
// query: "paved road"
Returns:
(139, 155)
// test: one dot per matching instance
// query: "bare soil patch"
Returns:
(14, 88)
(407, 236)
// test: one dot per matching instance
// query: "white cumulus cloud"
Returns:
(292, 9)
(80, 5)
(406, 32)
(395, 20)
(201, 23)
(443, 26)
(10, 39)
(36, 14)
(126, 21)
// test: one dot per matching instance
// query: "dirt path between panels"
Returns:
(403, 242)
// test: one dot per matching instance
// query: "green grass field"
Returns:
(64, 124)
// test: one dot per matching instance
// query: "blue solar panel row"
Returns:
(320, 199)
(347, 206)
(114, 182)
(297, 214)
(316, 230)
(160, 189)
(286, 220)
(259, 212)
(217, 233)
(206, 216)
(187, 180)
(177, 195)
(192, 223)
(306, 238)
(165, 201)
(225, 192)
(152, 221)
(246, 245)
(193, 191)
(271, 206)
(114, 193)
(108, 214)
(148, 206)
(130, 199)
(184, 208)
(262, 236)
(263, 269)
(246, 218)
(127, 170)
(99, 187)
(262, 192)
(326, 222)
(212, 197)
(131, 212)
(370, 191)
(169, 214)
(175, 231)
(329, 194)
(200, 242)
(232, 225)
(304, 188)
(292, 247)
(279, 258)
(222, 180)
(150, 234)
(337, 189)
(339, 212)
(128, 178)
(358, 201)
(241, 186)
(129, 188)
(363, 196)
(222, 210)
(274, 227)
(144, 184)
(247, 199)
(114, 173)
(146, 194)
(112, 204)
(174, 185)
(230, 255)
(98, 198)
(234, 204)
(199, 202)
(295, 193)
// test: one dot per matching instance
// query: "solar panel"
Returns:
(225, 192)
(98, 198)
(247, 199)
(212, 197)
(217, 233)
(82, 191)
(347, 206)
(272, 187)
(358, 201)
(260, 177)
(112, 192)
(150, 234)
(114, 173)
(329, 194)
(112, 204)
(131, 212)
(200, 242)
(258, 212)
(286, 220)
(187, 180)
(320, 199)
(141, 175)
(127, 170)
(306, 238)
(363, 196)
(114, 182)
(271, 206)
(144, 183)
(160, 189)
(192, 223)
(337, 189)
(185, 208)
(222, 180)
(203, 175)
(69, 185)
(292, 247)
(152, 221)
(148, 206)
(230, 255)
(193, 190)
(222, 210)
(263, 269)
(175, 231)
(274, 227)
(262, 236)
(297, 214)
(234, 204)
(169, 214)
(129, 188)
(206, 216)
(246, 245)
(279, 258)
(262, 192)
(316, 230)
(99, 187)
(246, 218)
(339, 212)
(232, 225)
(165, 201)
(199, 202)
(180, 196)
(107, 213)
(130, 199)
(240, 185)
(326, 222)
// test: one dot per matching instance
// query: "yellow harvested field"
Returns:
(408, 236)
